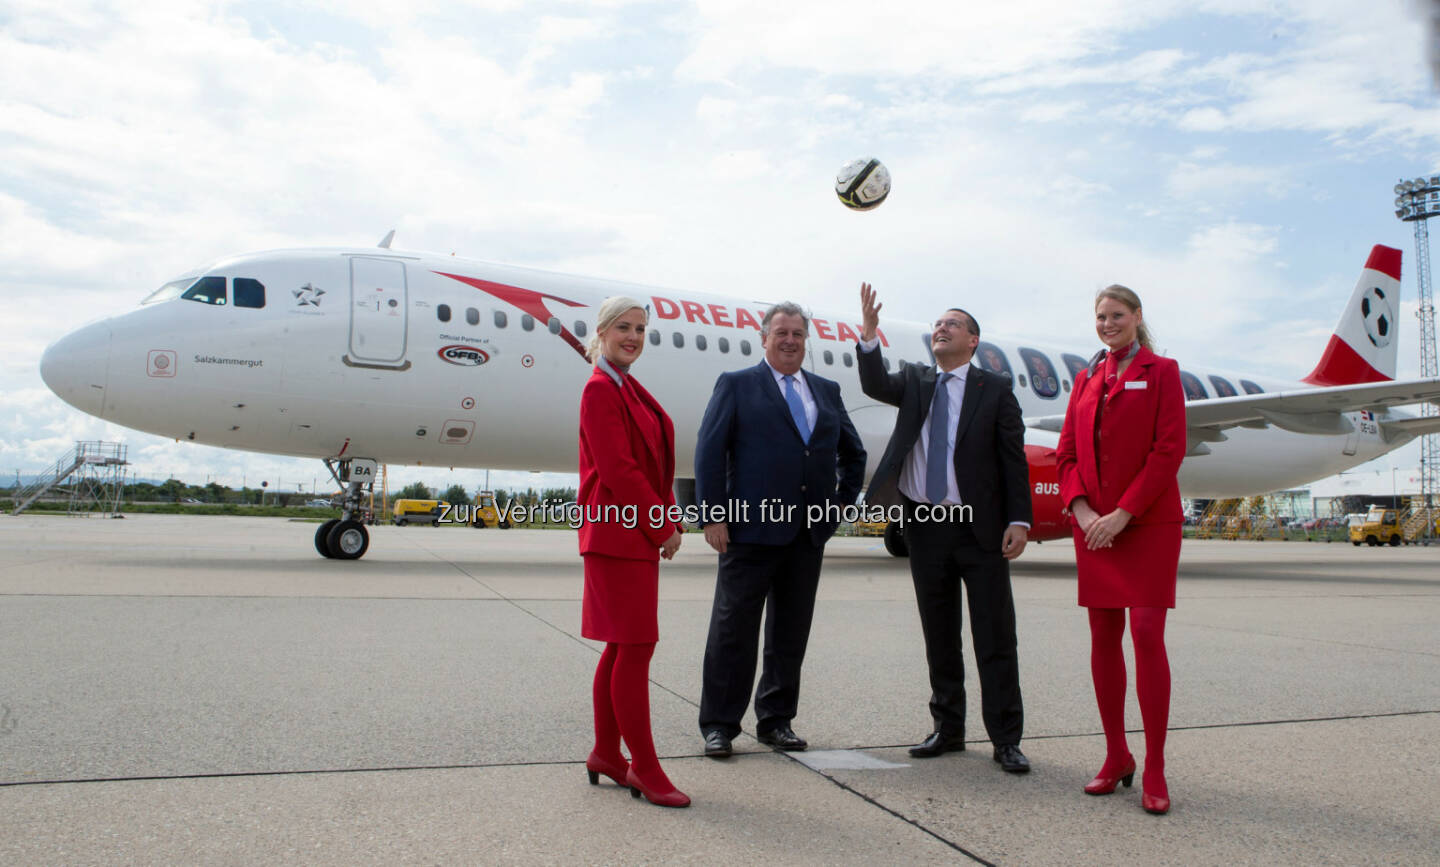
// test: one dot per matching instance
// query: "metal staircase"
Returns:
(90, 476)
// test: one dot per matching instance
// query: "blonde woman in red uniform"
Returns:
(627, 468)
(1119, 452)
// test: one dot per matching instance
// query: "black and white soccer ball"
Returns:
(1378, 317)
(863, 184)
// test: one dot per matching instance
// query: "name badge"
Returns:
(1135, 384)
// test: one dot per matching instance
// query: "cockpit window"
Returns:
(249, 293)
(169, 291)
(207, 290)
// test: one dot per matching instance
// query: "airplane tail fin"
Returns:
(1362, 349)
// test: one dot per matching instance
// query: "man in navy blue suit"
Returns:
(778, 453)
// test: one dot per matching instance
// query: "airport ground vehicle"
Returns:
(418, 512)
(1380, 526)
(486, 513)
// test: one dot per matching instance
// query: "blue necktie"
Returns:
(937, 476)
(797, 408)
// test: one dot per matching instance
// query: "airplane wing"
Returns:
(1305, 410)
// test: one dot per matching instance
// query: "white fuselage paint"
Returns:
(361, 375)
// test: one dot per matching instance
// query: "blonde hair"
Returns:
(611, 308)
(1127, 296)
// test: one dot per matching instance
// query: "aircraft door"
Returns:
(379, 309)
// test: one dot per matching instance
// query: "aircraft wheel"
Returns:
(895, 540)
(348, 540)
(322, 537)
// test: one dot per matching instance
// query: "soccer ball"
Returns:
(863, 184)
(1379, 318)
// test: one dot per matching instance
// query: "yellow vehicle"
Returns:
(1381, 526)
(486, 513)
(418, 512)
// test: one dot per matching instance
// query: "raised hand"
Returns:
(869, 312)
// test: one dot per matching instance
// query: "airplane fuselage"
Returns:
(421, 359)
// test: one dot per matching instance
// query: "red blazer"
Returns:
(1142, 442)
(627, 457)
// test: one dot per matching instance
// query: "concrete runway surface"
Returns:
(207, 690)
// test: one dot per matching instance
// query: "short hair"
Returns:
(974, 326)
(789, 308)
(1125, 295)
(611, 308)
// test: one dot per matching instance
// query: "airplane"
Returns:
(358, 356)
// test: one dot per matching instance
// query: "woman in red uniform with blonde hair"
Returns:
(1119, 452)
(627, 467)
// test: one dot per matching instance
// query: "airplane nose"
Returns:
(76, 367)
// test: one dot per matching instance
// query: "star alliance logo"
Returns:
(308, 296)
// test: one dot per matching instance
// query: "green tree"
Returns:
(414, 491)
(557, 495)
(172, 490)
(456, 494)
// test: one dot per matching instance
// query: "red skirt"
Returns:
(1136, 571)
(620, 600)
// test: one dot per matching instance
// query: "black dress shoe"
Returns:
(1011, 759)
(717, 746)
(938, 743)
(783, 738)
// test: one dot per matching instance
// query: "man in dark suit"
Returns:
(777, 451)
(956, 461)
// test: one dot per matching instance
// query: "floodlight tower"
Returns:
(1416, 202)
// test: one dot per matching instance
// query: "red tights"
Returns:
(1152, 687)
(622, 709)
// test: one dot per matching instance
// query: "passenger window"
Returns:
(829, 358)
(1074, 364)
(1223, 388)
(501, 320)
(678, 339)
(848, 359)
(700, 342)
(443, 312)
(1042, 373)
(1250, 387)
(249, 293)
(724, 344)
(555, 326)
(1066, 383)
(1194, 388)
(887, 364)
(207, 290)
(744, 347)
(527, 322)
(1022, 380)
(472, 316)
(990, 358)
(654, 338)
(579, 328)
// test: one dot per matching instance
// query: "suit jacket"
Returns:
(1141, 442)
(990, 467)
(749, 450)
(627, 456)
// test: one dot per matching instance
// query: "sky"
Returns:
(1231, 161)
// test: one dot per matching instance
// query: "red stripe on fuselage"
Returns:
(528, 300)
(1341, 365)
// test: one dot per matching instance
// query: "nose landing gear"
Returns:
(345, 538)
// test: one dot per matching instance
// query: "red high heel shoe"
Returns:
(1156, 805)
(1103, 785)
(672, 798)
(595, 766)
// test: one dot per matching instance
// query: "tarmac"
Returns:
(207, 690)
